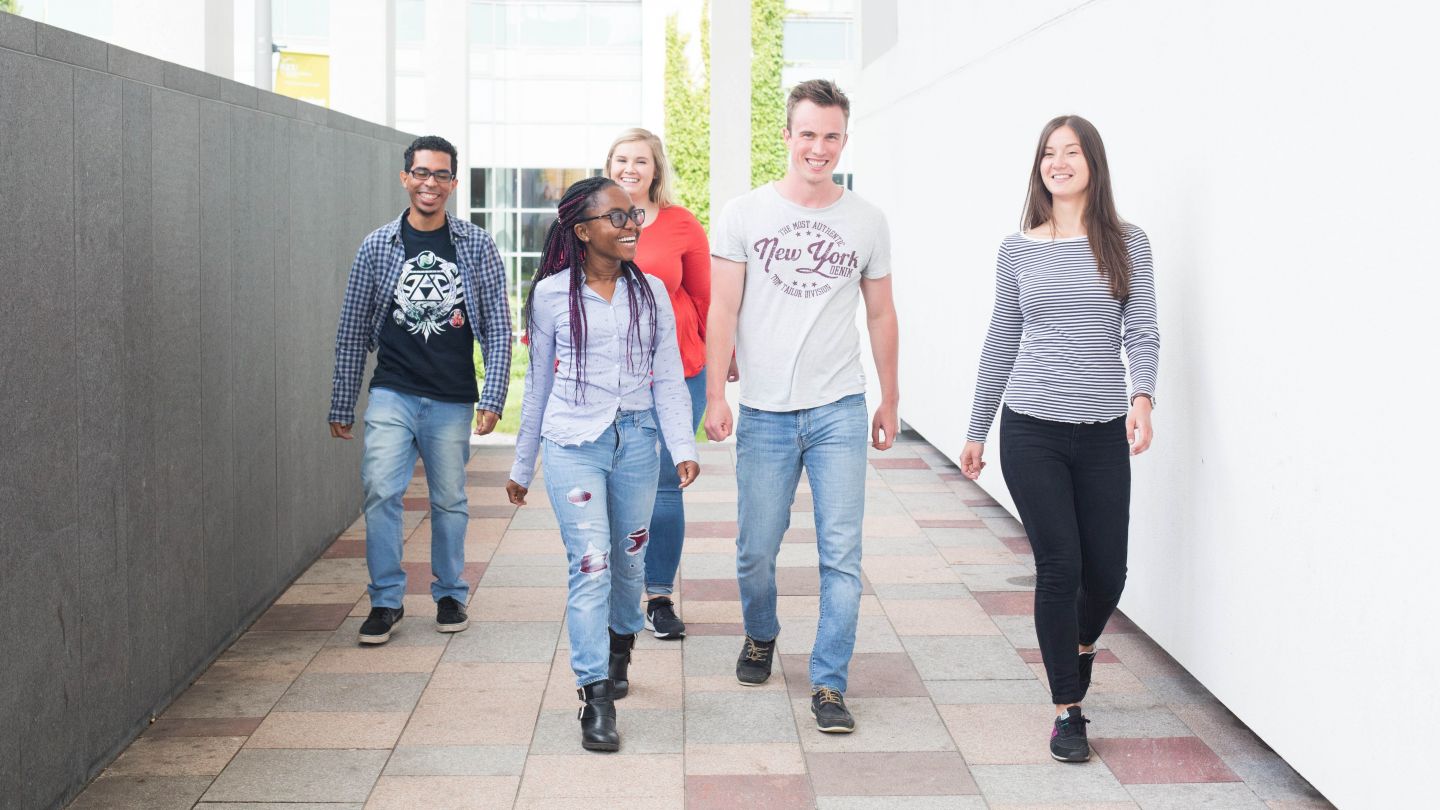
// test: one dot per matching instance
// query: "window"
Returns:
(306, 19)
(817, 40)
(410, 21)
(613, 25)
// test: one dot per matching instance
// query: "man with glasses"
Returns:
(424, 288)
(801, 253)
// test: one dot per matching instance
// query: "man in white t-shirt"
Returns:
(791, 261)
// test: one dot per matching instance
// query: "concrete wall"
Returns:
(173, 251)
(1283, 537)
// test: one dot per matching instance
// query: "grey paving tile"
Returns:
(348, 631)
(711, 566)
(899, 546)
(530, 518)
(266, 645)
(504, 641)
(1018, 630)
(931, 590)
(738, 717)
(1217, 796)
(900, 803)
(642, 731)
(457, 760)
(1155, 721)
(955, 658)
(995, 577)
(294, 775)
(1002, 525)
(523, 576)
(227, 698)
(962, 538)
(873, 634)
(1272, 779)
(354, 692)
(711, 655)
(881, 724)
(335, 570)
(111, 792)
(280, 806)
(1035, 784)
(1182, 688)
(973, 692)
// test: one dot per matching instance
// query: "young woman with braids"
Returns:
(1071, 289)
(675, 251)
(604, 366)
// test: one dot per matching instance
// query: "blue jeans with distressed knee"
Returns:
(603, 492)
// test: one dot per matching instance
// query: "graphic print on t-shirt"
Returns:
(805, 259)
(430, 296)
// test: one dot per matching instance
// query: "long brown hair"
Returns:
(1103, 225)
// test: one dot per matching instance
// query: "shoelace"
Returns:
(755, 652)
(1067, 727)
(828, 695)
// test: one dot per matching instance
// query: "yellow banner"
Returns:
(305, 76)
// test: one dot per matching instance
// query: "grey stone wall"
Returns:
(173, 252)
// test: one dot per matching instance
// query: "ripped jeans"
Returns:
(603, 493)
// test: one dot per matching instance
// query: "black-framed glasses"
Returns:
(423, 174)
(617, 218)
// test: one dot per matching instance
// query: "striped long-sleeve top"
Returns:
(1053, 349)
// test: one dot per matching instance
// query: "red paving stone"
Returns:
(1006, 603)
(1162, 760)
(768, 792)
(805, 581)
(418, 576)
(710, 590)
(486, 478)
(204, 727)
(980, 502)
(304, 617)
(712, 528)
(491, 511)
(804, 502)
(343, 548)
(1031, 655)
(416, 504)
(952, 476)
(1018, 545)
(888, 675)
(940, 773)
(899, 464)
(1120, 623)
(950, 524)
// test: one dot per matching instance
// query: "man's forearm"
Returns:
(885, 346)
(719, 345)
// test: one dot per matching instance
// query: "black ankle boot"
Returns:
(597, 717)
(620, 647)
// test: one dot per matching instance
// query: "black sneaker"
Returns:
(1067, 741)
(756, 657)
(450, 615)
(377, 626)
(661, 620)
(831, 716)
(1087, 665)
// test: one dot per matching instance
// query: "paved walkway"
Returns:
(945, 684)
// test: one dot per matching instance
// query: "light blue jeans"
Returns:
(667, 525)
(398, 428)
(603, 492)
(829, 443)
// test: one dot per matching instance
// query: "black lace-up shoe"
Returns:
(1087, 666)
(1068, 742)
(661, 620)
(377, 626)
(756, 658)
(831, 716)
(450, 615)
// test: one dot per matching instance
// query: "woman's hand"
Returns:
(516, 493)
(1137, 425)
(688, 471)
(970, 461)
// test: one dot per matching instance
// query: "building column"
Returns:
(729, 102)
(220, 38)
(362, 59)
(447, 85)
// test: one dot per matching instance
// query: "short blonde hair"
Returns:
(662, 188)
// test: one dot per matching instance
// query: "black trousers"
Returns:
(1071, 484)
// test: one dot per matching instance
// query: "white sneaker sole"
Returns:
(651, 627)
(381, 639)
(452, 628)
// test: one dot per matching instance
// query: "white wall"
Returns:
(1280, 156)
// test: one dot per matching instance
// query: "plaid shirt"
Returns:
(371, 288)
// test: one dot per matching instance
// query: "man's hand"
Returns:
(516, 493)
(970, 460)
(485, 421)
(886, 422)
(687, 470)
(719, 424)
(341, 431)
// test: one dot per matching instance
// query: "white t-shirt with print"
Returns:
(796, 342)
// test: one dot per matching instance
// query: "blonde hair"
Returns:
(662, 188)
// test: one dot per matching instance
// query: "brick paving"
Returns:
(946, 684)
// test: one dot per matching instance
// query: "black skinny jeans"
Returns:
(1071, 484)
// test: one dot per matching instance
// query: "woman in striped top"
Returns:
(1071, 289)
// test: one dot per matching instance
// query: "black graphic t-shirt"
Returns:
(426, 345)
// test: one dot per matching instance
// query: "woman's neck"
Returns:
(1067, 217)
(602, 271)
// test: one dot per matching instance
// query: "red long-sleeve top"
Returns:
(675, 250)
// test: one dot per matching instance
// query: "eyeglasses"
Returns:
(617, 218)
(442, 176)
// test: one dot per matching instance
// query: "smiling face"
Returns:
(815, 138)
(1063, 167)
(632, 165)
(428, 196)
(602, 239)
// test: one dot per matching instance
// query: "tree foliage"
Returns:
(767, 97)
(12, 6)
(687, 117)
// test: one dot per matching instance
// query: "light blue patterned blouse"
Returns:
(553, 410)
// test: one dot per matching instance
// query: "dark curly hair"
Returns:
(431, 143)
(564, 251)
